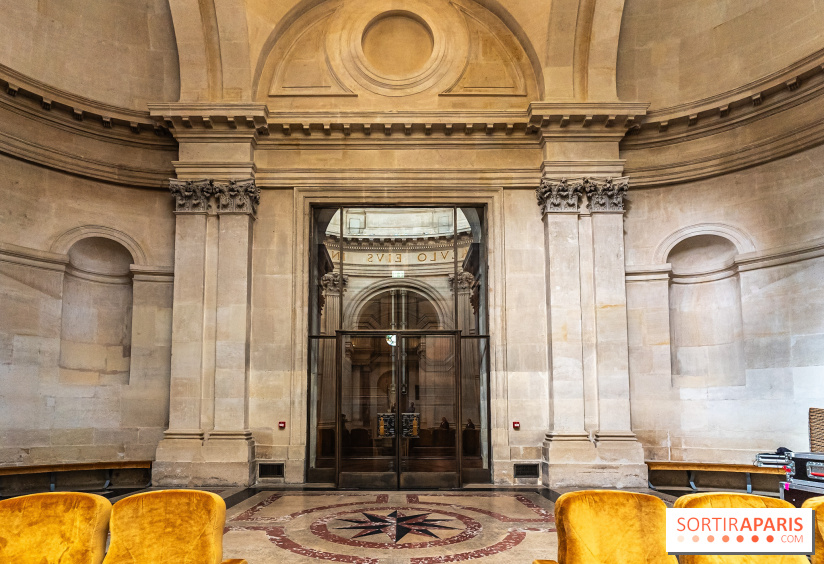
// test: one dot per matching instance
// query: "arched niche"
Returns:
(706, 322)
(96, 320)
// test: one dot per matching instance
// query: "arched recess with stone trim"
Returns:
(705, 306)
(96, 314)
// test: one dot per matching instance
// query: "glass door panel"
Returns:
(429, 409)
(368, 421)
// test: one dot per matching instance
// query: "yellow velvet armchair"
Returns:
(51, 528)
(610, 527)
(168, 527)
(724, 500)
(817, 503)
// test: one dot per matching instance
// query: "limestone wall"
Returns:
(774, 275)
(84, 337)
(120, 52)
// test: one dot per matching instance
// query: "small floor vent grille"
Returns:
(526, 471)
(270, 470)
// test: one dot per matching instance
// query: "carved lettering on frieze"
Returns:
(559, 195)
(201, 196)
(606, 195)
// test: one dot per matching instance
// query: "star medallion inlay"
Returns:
(396, 525)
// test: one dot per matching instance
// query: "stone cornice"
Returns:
(212, 121)
(73, 106)
(716, 163)
(71, 163)
(33, 257)
(783, 89)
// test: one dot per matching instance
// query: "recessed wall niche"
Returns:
(706, 322)
(95, 331)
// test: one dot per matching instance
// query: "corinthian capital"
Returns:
(191, 196)
(559, 195)
(334, 282)
(237, 196)
(201, 196)
(606, 195)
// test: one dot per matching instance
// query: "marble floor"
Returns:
(390, 527)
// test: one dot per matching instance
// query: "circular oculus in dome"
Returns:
(397, 44)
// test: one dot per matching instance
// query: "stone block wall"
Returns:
(62, 398)
(769, 215)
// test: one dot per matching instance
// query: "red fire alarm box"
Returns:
(516, 425)
(281, 424)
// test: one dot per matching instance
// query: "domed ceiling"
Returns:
(677, 51)
(118, 52)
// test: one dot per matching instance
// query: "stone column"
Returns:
(567, 446)
(188, 310)
(619, 452)
(230, 442)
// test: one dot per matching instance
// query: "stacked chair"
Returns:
(163, 527)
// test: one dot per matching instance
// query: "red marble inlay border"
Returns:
(545, 516)
(249, 514)
(321, 529)
(510, 541)
(277, 536)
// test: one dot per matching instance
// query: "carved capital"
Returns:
(191, 196)
(606, 195)
(559, 195)
(463, 282)
(237, 196)
(201, 196)
(334, 282)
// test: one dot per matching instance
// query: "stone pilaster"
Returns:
(209, 441)
(586, 299)
(567, 448)
(617, 446)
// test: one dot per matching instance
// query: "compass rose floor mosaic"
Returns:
(391, 528)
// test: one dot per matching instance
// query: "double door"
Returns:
(398, 409)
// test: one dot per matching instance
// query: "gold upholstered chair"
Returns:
(725, 500)
(168, 527)
(608, 527)
(817, 503)
(64, 527)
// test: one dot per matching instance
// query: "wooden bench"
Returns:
(692, 467)
(53, 469)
